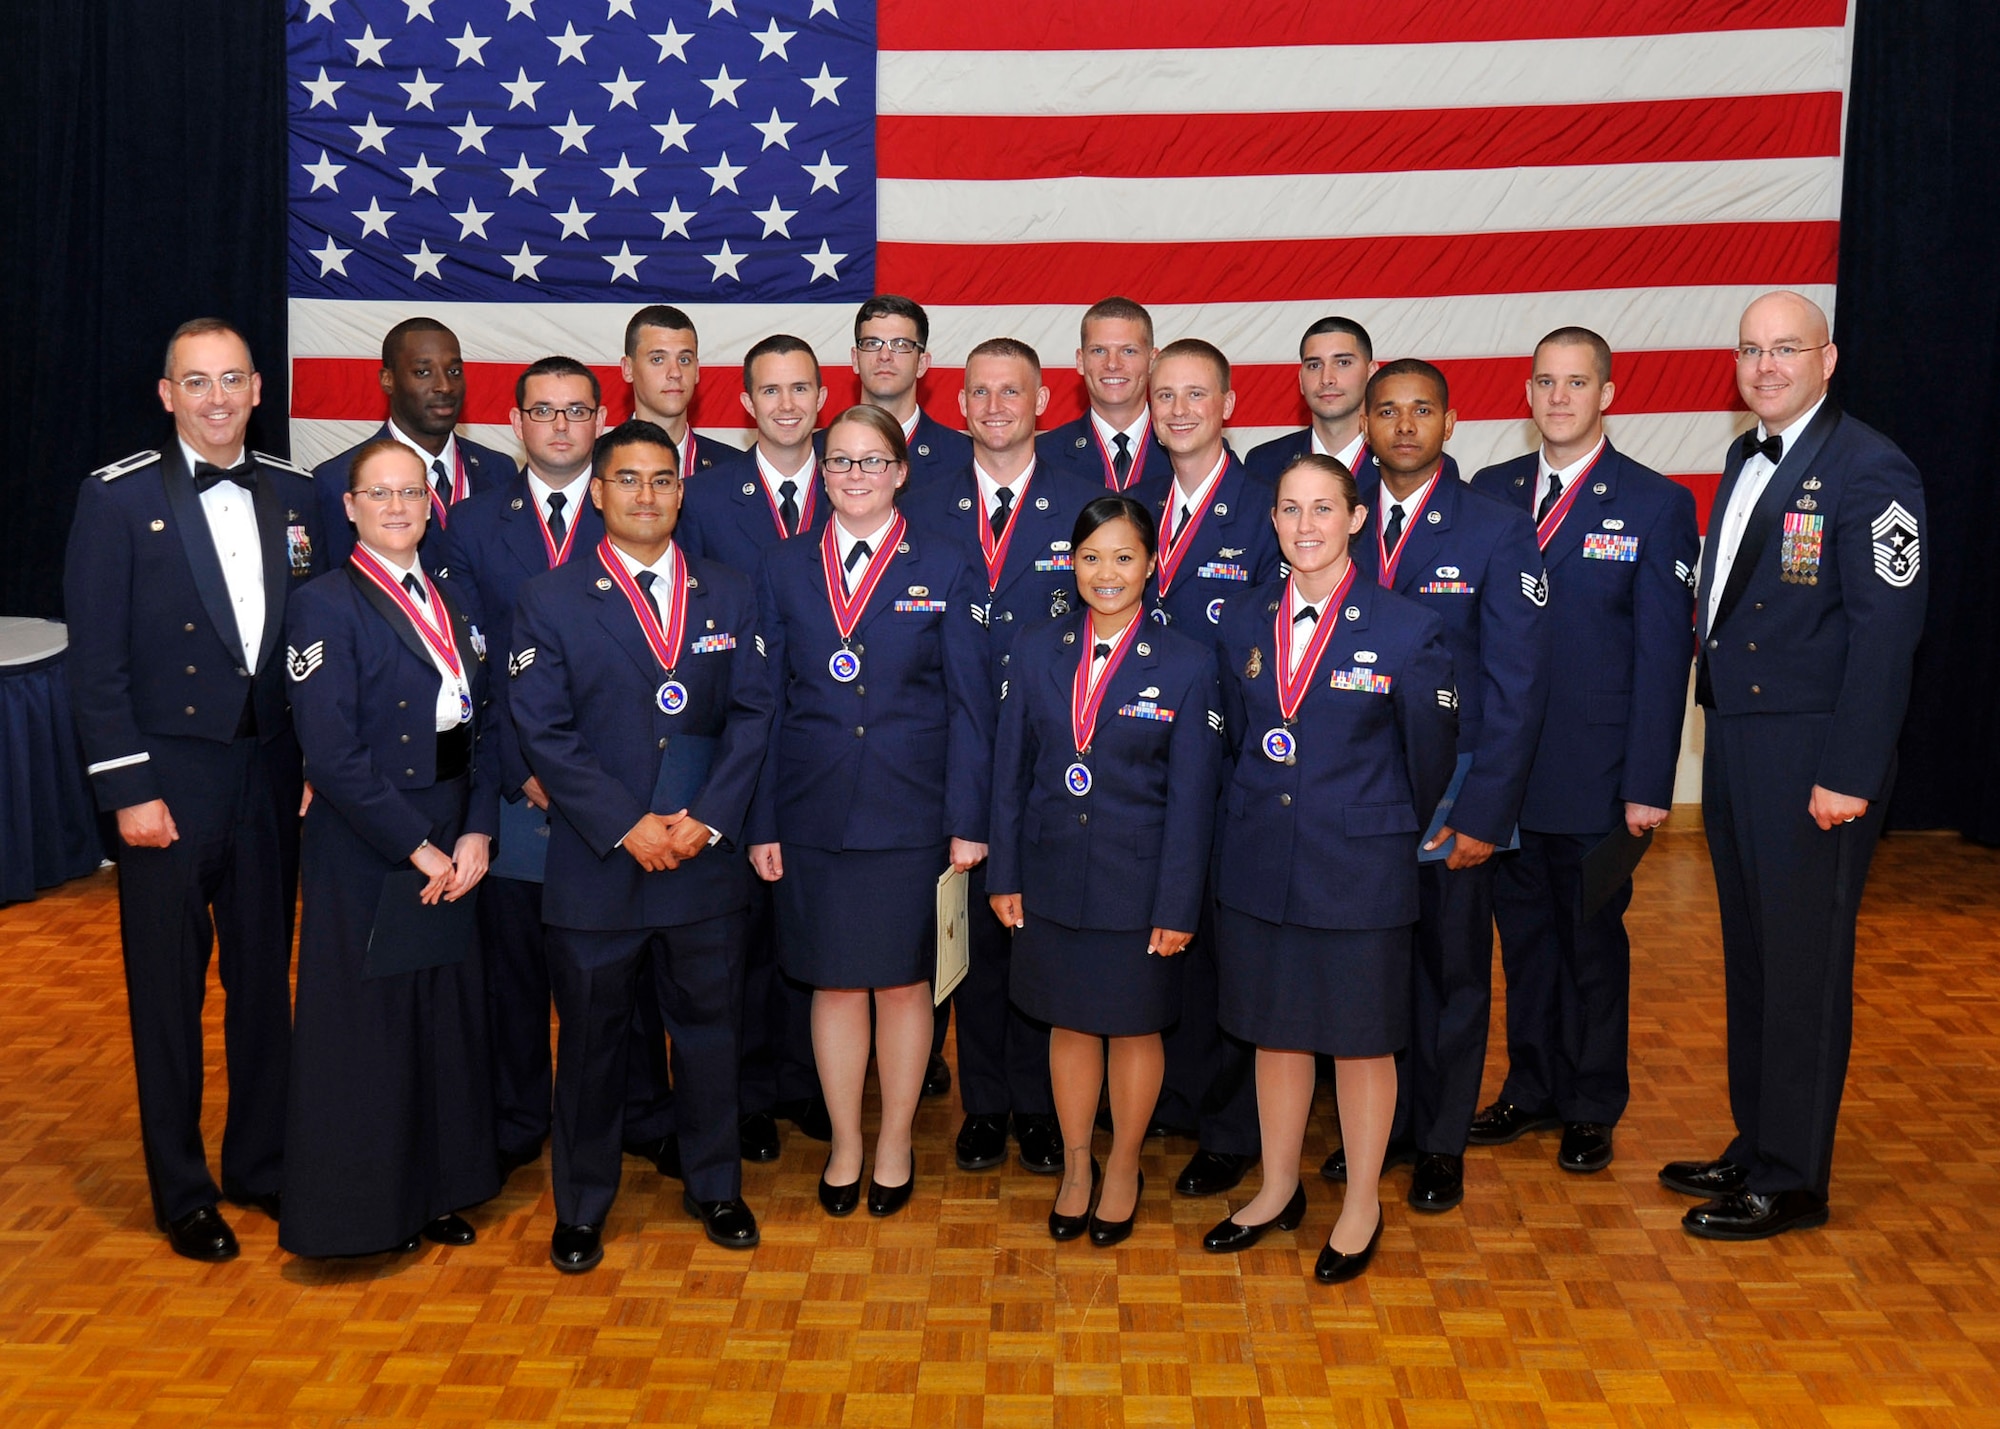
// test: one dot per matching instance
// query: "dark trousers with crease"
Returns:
(225, 884)
(776, 1030)
(1437, 1086)
(1003, 1054)
(1211, 1078)
(698, 983)
(1569, 982)
(1789, 893)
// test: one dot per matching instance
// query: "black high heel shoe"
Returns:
(838, 1200)
(1229, 1234)
(1070, 1227)
(887, 1200)
(1107, 1233)
(1336, 1266)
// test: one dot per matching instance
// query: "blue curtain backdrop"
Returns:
(147, 185)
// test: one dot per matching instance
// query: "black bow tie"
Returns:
(1773, 447)
(207, 474)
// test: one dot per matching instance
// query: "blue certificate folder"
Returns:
(1443, 817)
(523, 846)
(410, 935)
(683, 770)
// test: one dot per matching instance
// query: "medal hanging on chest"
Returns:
(1086, 700)
(1295, 677)
(436, 637)
(845, 663)
(664, 631)
(995, 549)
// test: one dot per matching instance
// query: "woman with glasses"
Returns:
(390, 1127)
(877, 780)
(1104, 781)
(1341, 721)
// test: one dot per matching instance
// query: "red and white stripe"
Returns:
(1459, 175)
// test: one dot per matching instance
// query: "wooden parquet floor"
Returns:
(1547, 1299)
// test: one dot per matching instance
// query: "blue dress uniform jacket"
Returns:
(726, 516)
(485, 469)
(1475, 563)
(1038, 578)
(1075, 447)
(1132, 852)
(1837, 639)
(491, 548)
(936, 450)
(584, 681)
(364, 751)
(1235, 550)
(1375, 740)
(153, 647)
(1621, 597)
(857, 766)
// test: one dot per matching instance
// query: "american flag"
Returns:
(1460, 175)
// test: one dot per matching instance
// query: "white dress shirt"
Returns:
(448, 456)
(844, 547)
(1726, 535)
(1134, 434)
(1408, 505)
(1179, 501)
(450, 713)
(1568, 474)
(989, 488)
(232, 527)
(575, 493)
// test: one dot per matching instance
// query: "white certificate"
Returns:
(954, 935)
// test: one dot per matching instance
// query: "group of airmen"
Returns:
(696, 730)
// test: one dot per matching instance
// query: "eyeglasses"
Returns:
(1785, 353)
(545, 412)
(841, 465)
(901, 346)
(198, 384)
(629, 483)
(380, 494)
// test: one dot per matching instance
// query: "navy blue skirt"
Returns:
(1341, 992)
(1093, 980)
(391, 1117)
(859, 917)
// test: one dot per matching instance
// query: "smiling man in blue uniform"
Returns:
(1475, 563)
(1113, 444)
(179, 570)
(423, 377)
(1620, 546)
(1810, 605)
(644, 708)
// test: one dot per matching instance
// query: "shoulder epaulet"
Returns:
(266, 459)
(125, 465)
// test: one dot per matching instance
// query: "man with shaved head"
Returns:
(1808, 611)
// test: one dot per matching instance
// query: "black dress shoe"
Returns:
(809, 1116)
(1438, 1183)
(663, 1151)
(407, 1247)
(269, 1202)
(982, 1142)
(1063, 1227)
(1231, 1234)
(887, 1200)
(1210, 1173)
(1586, 1147)
(1335, 1266)
(1502, 1122)
(728, 1223)
(1714, 1179)
(838, 1200)
(757, 1137)
(1396, 1153)
(202, 1234)
(575, 1249)
(1746, 1215)
(450, 1230)
(1040, 1136)
(937, 1077)
(1108, 1233)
